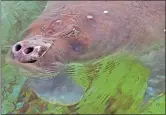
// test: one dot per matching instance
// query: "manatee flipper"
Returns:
(156, 62)
(60, 89)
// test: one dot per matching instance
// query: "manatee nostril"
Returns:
(18, 47)
(28, 50)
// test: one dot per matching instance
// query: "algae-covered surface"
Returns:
(114, 84)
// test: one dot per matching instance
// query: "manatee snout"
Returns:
(25, 54)
(29, 51)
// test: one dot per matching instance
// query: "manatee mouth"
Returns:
(31, 61)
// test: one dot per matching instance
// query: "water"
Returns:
(121, 87)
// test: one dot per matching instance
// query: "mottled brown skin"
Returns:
(128, 26)
(80, 30)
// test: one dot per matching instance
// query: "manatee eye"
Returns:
(43, 28)
(73, 41)
(73, 33)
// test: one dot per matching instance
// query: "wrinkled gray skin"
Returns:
(85, 30)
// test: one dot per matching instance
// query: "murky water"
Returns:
(116, 88)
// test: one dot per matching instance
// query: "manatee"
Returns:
(80, 31)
